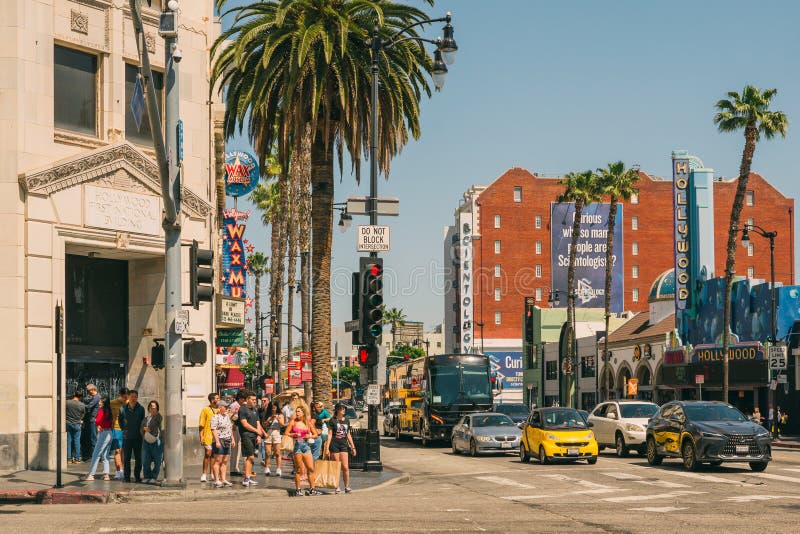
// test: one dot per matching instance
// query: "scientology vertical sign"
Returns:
(590, 258)
(465, 286)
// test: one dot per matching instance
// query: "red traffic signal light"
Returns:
(363, 356)
(368, 356)
(375, 269)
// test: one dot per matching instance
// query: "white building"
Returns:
(81, 205)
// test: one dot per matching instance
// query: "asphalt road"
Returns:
(448, 493)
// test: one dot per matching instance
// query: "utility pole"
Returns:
(168, 158)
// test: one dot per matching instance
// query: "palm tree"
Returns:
(306, 63)
(617, 183)
(394, 317)
(749, 112)
(302, 187)
(580, 188)
(257, 266)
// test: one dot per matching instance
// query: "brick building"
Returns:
(500, 249)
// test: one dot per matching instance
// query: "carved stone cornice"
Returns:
(121, 166)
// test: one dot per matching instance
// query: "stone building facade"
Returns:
(81, 207)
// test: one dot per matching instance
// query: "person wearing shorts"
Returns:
(301, 429)
(272, 423)
(250, 433)
(116, 432)
(340, 442)
(222, 430)
(206, 437)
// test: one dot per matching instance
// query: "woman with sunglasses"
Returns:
(301, 428)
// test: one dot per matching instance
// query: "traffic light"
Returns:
(371, 311)
(194, 352)
(157, 356)
(368, 356)
(528, 347)
(356, 306)
(201, 273)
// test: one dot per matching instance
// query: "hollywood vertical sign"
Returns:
(680, 204)
(234, 258)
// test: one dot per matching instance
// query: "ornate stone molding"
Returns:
(121, 166)
(150, 39)
(79, 22)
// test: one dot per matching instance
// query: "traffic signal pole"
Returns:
(167, 157)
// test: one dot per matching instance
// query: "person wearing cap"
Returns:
(222, 431)
(92, 407)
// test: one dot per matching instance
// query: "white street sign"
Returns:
(181, 321)
(373, 238)
(373, 395)
(777, 358)
(782, 379)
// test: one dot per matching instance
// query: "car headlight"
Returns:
(590, 435)
(630, 427)
(551, 437)
(483, 438)
(761, 431)
(711, 435)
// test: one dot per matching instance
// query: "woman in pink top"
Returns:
(104, 424)
(302, 430)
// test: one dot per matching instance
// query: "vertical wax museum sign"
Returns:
(680, 205)
(234, 257)
(590, 257)
(465, 282)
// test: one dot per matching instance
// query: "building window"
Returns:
(497, 247)
(538, 294)
(635, 248)
(497, 221)
(588, 401)
(750, 248)
(750, 222)
(635, 297)
(75, 86)
(497, 270)
(517, 194)
(143, 135)
(551, 400)
(635, 271)
(587, 366)
(751, 272)
(498, 318)
(634, 223)
(635, 197)
(497, 293)
(551, 370)
(538, 221)
(538, 247)
(538, 271)
(438, 344)
(750, 198)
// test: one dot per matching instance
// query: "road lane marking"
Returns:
(577, 481)
(749, 498)
(772, 476)
(707, 478)
(505, 482)
(663, 509)
(619, 475)
(793, 469)
(598, 491)
(650, 497)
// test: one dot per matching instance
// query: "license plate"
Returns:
(742, 449)
(573, 452)
(505, 445)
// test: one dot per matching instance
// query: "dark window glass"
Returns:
(551, 370)
(97, 303)
(142, 136)
(75, 89)
(587, 367)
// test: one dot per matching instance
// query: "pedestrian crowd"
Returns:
(122, 431)
(775, 421)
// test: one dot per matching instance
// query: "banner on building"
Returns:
(465, 287)
(234, 254)
(590, 256)
(508, 366)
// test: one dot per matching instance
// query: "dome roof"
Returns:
(664, 287)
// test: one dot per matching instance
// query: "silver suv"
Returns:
(621, 424)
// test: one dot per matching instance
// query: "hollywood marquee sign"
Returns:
(465, 283)
(680, 203)
(234, 257)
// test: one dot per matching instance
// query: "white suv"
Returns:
(621, 424)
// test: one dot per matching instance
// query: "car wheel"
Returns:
(653, 458)
(592, 460)
(524, 457)
(543, 459)
(758, 466)
(689, 456)
(453, 445)
(622, 449)
(473, 448)
(601, 447)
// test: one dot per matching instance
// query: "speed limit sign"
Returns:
(777, 358)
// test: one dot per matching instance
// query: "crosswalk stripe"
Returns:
(772, 476)
(652, 496)
(750, 498)
(619, 475)
(505, 482)
(707, 478)
(793, 469)
(598, 491)
(577, 481)
(661, 509)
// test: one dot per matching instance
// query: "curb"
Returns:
(55, 496)
(786, 444)
(403, 478)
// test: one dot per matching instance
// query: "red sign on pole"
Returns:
(699, 379)
(294, 368)
(305, 366)
(268, 384)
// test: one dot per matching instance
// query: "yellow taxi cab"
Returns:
(557, 435)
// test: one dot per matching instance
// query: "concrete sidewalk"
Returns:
(787, 442)
(37, 487)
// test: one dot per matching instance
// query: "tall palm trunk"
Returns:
(322, 226)
(259, 329)
(273, 303)
(576, 229)
(291, 258)
(612, 222)
(301, 168)
(750, 138)
(283, 225)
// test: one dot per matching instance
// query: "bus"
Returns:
(432, 393)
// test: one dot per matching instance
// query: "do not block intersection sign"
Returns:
(373, 238)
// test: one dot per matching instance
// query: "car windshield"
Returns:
(445, 384)
(638, 411)
(563, 419)
(713, 412)
(492, 420)
(476, 383)
(512, 409)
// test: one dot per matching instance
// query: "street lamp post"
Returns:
(774, 305)
(445, 52)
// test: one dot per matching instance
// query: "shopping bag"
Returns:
(326, 473)
(287, 444)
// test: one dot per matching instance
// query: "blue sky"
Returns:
(569, 85)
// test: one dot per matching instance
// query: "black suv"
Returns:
(706, 431)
